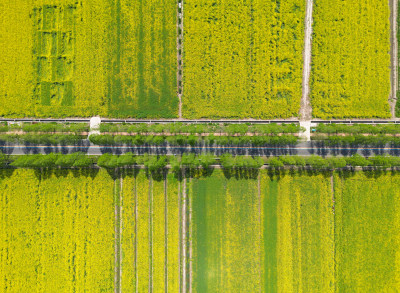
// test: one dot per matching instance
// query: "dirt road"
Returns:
(305, 106)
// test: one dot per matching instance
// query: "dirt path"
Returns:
(260, 222)
(150, 200)
(166, 232)
(179, 47)
(394, 56)
(117, 232)
(120, 232)
(136, 238)
(334, 225)
(305, 105)
(180, 234)
(184, 238)
(190, 241)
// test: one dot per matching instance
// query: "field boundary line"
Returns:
(393, 4)
(120, 231)
(136, 238)
(260, 231)
(165, 232)
(150, 201)
(184, 237)
(117, 237)
(305, 105)
(334, 230)
(190, 237)
(179, 51)
(180, 234)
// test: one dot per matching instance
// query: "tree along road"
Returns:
(301, 149)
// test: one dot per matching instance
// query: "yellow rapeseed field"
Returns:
(55, 232)
(93, 57)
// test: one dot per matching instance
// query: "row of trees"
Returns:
(184, 140)
(191, 161)
(46, 127)
(378, 140)
(77, 160)
(318, 162)
(358, 128)
(44, 139)
(179, 128)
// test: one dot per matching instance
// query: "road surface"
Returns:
(301, 149)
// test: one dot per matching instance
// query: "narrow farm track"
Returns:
(190, 241)
(150, 200)
(120, 231)
(260, 223)
(184, 237)
(166, 231)
(136, 238)
(180, 235)
(117, 244)
(305, 106)
(334, 225)
(394, 56)
(179, 51)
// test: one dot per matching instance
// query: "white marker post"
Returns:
(94, 125)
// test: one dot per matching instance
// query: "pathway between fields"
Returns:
(394, 56)
(305, 105)
(179, 47)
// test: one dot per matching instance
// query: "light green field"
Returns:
(367, 221)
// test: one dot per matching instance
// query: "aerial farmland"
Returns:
(199, 146)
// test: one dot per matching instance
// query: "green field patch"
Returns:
(367, 232)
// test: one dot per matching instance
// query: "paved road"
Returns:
(302, 149)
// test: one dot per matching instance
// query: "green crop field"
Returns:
(367, 221)
(350, 59)
(243, 59)
(272, 235)
(93, 57)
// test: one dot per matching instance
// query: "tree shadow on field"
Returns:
(6, 172)
(46, 173)
(241, 173)
(129, 172)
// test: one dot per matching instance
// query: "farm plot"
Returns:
(142, 82)
(350, 59)
(243, 58)
(226, 235)
(96, 57)
(297, 233)
(56, 231)
(278, 238)
(367, 232)
(150, 237)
